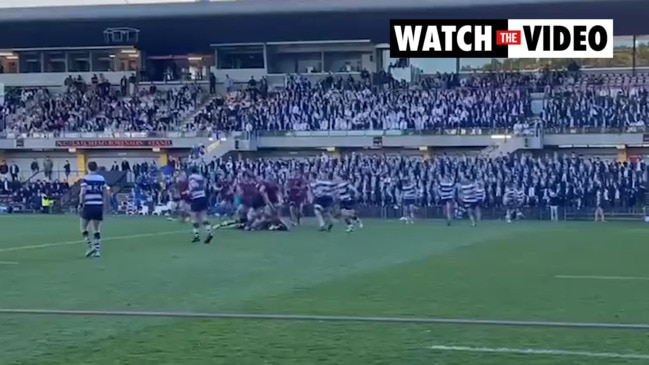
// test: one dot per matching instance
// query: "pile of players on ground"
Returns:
(83, 107)
(379, 180)
(440, 102)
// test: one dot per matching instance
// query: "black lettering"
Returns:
(547, 38)
(580, 38)
(531, 38)
(592, 38)
(561, 38)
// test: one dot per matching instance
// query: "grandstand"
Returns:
(146, 90)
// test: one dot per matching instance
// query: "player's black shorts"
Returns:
(446, 201)
(199, 205)
(470, 205)
(347, 204)
(409, 202)
(92, 212)
(325, 202)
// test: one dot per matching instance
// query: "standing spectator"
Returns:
(34, 166)
(14, 170)
(115, 166)
(212, 83)
(67, 169)
(48, 165)
(125, 165)
(4, 168)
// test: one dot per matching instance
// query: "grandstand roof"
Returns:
(175, 28)
(165, 8)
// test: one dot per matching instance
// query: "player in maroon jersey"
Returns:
(297, 191)
(181, 196)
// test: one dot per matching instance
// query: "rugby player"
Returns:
(509, 200)
(296, 196)
(180, 196)
(553, 198)
(520, 201)
(199, 205)
(600, 200)
(446, 191)
(322, 191)
(346, 198)
(469, 199)
(94, 192)
(267, 204)
(409, 200)
(481, 195)
(246, 192)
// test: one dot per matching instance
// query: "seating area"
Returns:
(436, 102)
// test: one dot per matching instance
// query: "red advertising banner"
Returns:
(113, 143)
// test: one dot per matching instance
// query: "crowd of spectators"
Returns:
(442, 101)
(96, 107)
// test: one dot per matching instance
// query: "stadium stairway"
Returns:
(234, 142)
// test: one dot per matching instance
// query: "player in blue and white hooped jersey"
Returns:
(447, 191)
(481, 195)
(94, 193)
(409, 196)
(510, 202)
(520, 201)
(321, 193)
(347, 200)
(469, 198)
(198, 205)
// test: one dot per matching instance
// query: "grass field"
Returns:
(495, 271)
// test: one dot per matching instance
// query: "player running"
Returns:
(346, 196)
(520, 201)
(409, 200)
(180, 196)
(469, 199)
(446, 191)
(297, 191)
(481, 195)
(322, 193)
(94, 192)
(509, 200)
(199, 204)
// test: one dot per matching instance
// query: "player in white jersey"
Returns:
(94, 192)
(321, 193)
(199, 205)
(347, 199)
(481, 195)
(409, 195)
(469, 199)
(520, 201)
(600, 201)
(446, 191)
(509, 200)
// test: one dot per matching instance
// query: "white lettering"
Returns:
(407, 37)
(482, 38)
(461, 41)
(449, 32)
(431, 41)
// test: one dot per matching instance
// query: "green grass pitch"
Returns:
(494, 271)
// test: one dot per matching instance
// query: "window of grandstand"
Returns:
(240, 57)
(642, 51)
(40, 3)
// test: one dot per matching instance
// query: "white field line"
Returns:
(8, 263)
(600, 277)
(109, 238)
(540, 352)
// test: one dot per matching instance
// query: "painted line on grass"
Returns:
(8, 262)
(321, 318)
(599, 277)
(109, 238)
(540, 352)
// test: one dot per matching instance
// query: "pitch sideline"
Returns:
(540, 352)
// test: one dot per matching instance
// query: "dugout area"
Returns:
(577, 272)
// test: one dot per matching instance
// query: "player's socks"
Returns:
(96, 244)
(208, 232)
(89, 247)
(196, 232)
